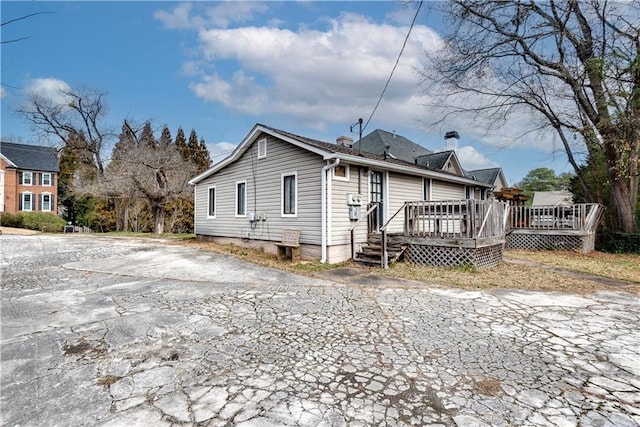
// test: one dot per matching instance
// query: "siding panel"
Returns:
(402, 188)
(447, 191)
(263, 178)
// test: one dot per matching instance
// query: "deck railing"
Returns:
(580, 217)
(467, 219)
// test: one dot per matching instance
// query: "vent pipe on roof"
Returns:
(451, 140)
(344, 141)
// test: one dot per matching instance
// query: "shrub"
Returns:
(618, 242)
(42, 221)
(11, 220)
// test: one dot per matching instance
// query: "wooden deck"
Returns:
(457, 232)
(571, 227)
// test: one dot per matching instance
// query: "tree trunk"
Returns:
(121, 206)
(158, 214)
(626, 212)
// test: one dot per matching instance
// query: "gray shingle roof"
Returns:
(334, 148)
(399, 146)
(484, 175)
(435, 160)
(31, 157)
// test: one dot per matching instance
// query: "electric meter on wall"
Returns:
(354, 199)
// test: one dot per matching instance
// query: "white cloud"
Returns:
(319, 76)
(177, 18)
(219, 151)
(50, 88)
(3, 92)
(221, 15)
(471, 159)
(227, 12)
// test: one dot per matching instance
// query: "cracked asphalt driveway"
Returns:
(105, 331)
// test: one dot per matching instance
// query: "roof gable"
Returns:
(31, 157)
(493, 176)
(399, 147)
(330, 151)
(445, 160)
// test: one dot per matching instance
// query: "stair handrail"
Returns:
(352, 230)
(384, 227)
(384, 261)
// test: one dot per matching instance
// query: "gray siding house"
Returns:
(275, 180)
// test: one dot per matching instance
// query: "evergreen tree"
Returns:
(192, 146)
(204, 157)
(197, 152)
(76, 164)
(123, 196)
(181, 143)
(165, 138)
(146, 136)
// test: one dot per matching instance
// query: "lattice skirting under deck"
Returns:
(442, 256)
(583, 243)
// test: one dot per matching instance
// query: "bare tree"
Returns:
(158, 173)
(73, 114)
(574, 65)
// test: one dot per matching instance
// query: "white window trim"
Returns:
(24, 174)
(50, 175)
(245, 199)
(215, 206)
(430, 188)
(42, 202)
(262, 142)
(30, 202)
(295, 208)
(341, 178)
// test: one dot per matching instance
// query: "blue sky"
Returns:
(312, 68)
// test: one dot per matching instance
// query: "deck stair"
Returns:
(371, 252)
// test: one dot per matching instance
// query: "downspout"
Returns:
(325, 214)
(195, 217)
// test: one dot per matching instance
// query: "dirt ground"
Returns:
(561, 271)
(17, 231)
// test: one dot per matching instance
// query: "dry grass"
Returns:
(616, 266)
(505, 276)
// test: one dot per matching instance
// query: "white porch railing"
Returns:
(580, 217)
(467, 219)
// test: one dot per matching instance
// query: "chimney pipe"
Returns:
(344, 141)
(451, 140)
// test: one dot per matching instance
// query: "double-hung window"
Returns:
(211, 213)
(46, 202)
(46, 179)
(289, 192)
(26, 202)
(241, 198)
(26, 178)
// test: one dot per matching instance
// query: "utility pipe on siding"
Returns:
(325, 213)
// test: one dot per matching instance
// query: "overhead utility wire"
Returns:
(394, 66)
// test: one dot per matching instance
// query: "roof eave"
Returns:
(406, 169)
(244, 145)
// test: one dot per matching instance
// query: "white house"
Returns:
(275, 180)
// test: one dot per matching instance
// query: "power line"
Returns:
(394, 66)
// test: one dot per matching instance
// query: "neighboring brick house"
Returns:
(28, 178)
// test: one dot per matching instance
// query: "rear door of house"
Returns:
(377, 196)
